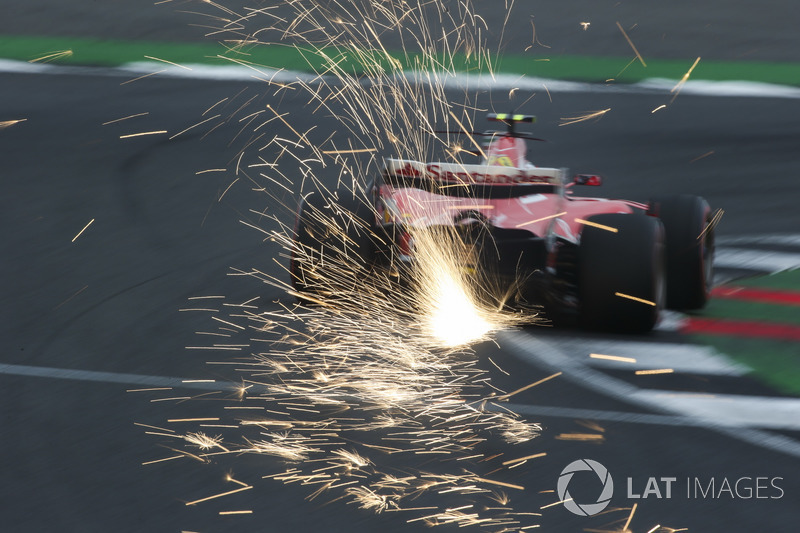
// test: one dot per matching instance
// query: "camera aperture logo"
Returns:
(590, 508)
(697, 488)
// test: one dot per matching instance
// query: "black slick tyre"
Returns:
(621, 272)
(689, 247)
(332, 245)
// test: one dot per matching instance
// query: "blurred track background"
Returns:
(108, 299)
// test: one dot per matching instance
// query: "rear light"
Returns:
(405, 243)
(588, 179)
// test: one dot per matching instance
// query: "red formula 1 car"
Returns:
(612, 264)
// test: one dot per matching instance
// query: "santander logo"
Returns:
(469, 174)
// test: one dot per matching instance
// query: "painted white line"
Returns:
(545, 354)
(686, 358)
(762, 260)
(745, 411)
(139, 380)
(704, 412)
(732, 88)
(734, 260)
(598, 414)
(780, 240)
(460, 81)
(132, 70)
(671, 320)
(112, 377)
(725, 88)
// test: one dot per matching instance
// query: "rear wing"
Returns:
(510, 117)
(473, 174)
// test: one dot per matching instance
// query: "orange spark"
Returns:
(81, 231)
(234, 491)
(684, 79)
(8, 123)
(612, 358)
(541, 219)
(52, 57)
(634, 298)
(638, 55)
(354, 151)
(131, 135)
(534, 456)
(193, 420)
(580, 436)
(630, 517)
(167, 62)
(596, 225)
(698, 158)
(566, 121)
(125, 118)
(526, 387)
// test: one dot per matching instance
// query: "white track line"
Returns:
(459, 81)
(685, 358)
(745, 411)
(139, 380)
(546, 354)
(113, 377)
(599, 414)
(674, 320)
(762, 260)
(780, 240)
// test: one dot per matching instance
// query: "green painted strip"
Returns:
(596, 69)
(775, 363)
(96, 52)
(788, 279)
(719, 308)
(744, 310)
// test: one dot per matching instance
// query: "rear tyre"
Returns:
(689, 248)
(332, 246)
(621, 282)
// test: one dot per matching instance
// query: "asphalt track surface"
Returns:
(109, 301)
(70, 455)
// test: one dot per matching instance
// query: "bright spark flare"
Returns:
(52, 57)
(612, 358)
(8, 123)
(566, 121)
(634, 298)
(453, 318)
(596, 225)
(633, 46)
(81, 231)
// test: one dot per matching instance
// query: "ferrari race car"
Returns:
(611, 264)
